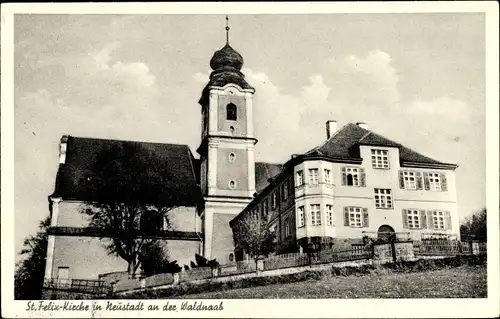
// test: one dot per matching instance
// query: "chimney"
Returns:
(62, 149)
(362, 125)
(331, 128)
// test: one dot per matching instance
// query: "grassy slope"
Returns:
(461, 282)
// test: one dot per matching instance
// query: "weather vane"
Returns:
(227, 29)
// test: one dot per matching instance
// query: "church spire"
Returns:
(227, 30)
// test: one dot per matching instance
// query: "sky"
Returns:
(418, 79)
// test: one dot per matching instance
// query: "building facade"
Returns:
(356, 184)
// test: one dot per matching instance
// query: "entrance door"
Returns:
(385, 233)
(63, 276)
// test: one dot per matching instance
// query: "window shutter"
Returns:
(444, 183)
(419, 180)
(448, 220)
(426, 181)
(346, 216)
(344, 176)
(401, 180)
(362, 177)
(404, 215)
(365, 218)
(423, 219)
(430, 223)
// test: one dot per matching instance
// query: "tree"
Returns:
(253, 236)
(132, 190)
(474, 227)
(30, 272)
(154, 260)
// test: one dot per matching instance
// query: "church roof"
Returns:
(77, 177)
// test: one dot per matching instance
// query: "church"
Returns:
(357, 183)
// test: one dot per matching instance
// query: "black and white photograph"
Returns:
(196, 161)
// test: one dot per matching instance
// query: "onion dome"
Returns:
(226, 57)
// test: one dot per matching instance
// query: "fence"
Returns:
(85, 289)
(286, 261)
(440, 247)
(238, 268)
(74, 288)
(195, 274)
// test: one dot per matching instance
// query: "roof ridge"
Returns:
(328, 139)
(119, 140)
(364, 136)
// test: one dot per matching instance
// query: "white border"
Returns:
(317, 308)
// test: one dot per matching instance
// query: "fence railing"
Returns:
(447, 247)
(78, 285)
(394, 251)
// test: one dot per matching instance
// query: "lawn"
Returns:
(460, 282)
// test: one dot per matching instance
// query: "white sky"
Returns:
(418, 79)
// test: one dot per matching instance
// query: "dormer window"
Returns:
(231, 112)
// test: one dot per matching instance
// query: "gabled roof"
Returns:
(264, 172)
(77, 177)
(344, 145)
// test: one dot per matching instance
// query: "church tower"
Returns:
(226, 150)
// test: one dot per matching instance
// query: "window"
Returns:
(353, 176)
(409, 180)
(287, 227)
(438, 220)
(355, 217)
(413, 218)
(232, 157)
(265, 207)
(284, 189)
(315, 215)
(380, 158)
(328, 176)
(313, 176)
(301, 217)
(273, 200)
(231, 112)
(151, 221)
(232, 184)
(231, 257)
(434, 181)
(300, 178)
(329, 215)
(383, 198)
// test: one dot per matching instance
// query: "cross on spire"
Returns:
(227, 29)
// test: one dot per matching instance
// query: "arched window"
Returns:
(350, 180)
(151, 221)
(231, 112)
(231, 257)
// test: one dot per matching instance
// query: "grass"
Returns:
(461, 282)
